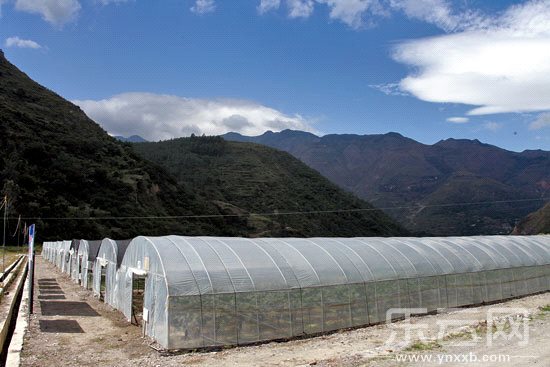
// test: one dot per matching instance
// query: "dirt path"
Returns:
(70, 327)
(106, 339)
(523, 343)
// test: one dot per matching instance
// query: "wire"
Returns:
(356, 210)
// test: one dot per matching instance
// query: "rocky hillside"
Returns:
(535, 223)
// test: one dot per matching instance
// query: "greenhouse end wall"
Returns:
(105, 263)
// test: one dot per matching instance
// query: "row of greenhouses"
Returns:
(193, 292)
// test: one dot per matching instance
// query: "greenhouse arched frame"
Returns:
(213, 291)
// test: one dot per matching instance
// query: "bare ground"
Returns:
(108, 340)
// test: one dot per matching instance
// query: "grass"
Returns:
(466, 334)
(544, 312)
(10, 255)
(422, 346)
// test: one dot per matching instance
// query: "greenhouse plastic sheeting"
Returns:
(65, 257)
(209, 291)
(106, 265)
(87, 252)
(75, 260)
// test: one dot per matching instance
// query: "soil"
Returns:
(104, 338)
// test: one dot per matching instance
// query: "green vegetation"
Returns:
(245, 178)
(59, 168)
(422, 346)
(11, 254)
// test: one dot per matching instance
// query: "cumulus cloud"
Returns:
(203, 6)
(300, 8)
(268, 5)
(458, 120)
(157, 117)
(500, 65)
(542, 121)
(21, 43)
(56, 12)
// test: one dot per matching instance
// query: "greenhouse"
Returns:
(47, 250)
(64, 256)
(74, 260)
(55, 252)
(87, 252)
(190, 292)
(106, 265)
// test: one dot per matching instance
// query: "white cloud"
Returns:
(21, 43)
(107, 2)
(492, 126)
(300, 8)
(440, 13)
(357, 13)
(458, 120)
(390, 89)
(501, 67)
(352, 12)
(268, 5)
(56, 12)
(542, 121)
(203, 6)
(155, 116)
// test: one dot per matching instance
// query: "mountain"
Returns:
(57, 163)
(535, 223)
(243, 177)
(430, 189)
(130, 139)
(59, 168)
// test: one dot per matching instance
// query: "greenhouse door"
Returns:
(102, 283)
(138, 294)
(79, 266)
(90, 274)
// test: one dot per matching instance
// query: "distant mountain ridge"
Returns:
(424, 182)
(131, 139)
(242, 177)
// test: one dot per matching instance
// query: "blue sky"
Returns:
(428, 69)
